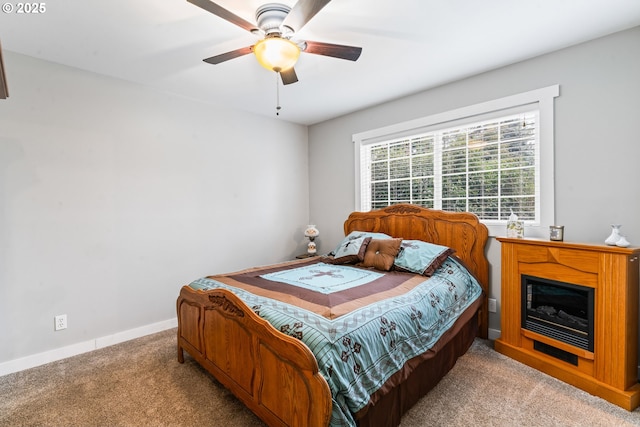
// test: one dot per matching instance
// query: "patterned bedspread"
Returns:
(362, 325)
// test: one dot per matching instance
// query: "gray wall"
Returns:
(113, 196)
(597, 143)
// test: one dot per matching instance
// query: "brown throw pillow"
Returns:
(380, 254)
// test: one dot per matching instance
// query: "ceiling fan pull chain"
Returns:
(277, 94)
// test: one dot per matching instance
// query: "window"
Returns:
(489, 159)
(488, 168)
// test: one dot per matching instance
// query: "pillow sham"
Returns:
(417, 256)
(351, 251)
(356, 234)
(381, 253)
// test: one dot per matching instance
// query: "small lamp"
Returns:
(311, 232)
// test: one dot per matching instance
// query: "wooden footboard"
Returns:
(275, 375)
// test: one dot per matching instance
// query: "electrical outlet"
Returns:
(492, 305)
(60, 322)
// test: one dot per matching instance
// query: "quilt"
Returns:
(361, 324)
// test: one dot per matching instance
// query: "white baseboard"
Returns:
(87, 346)
(494, 334)
(75, 349)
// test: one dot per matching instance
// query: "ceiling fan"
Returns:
(277, 24)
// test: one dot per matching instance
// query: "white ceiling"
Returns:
(408, 46)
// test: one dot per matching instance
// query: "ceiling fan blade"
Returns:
(288, 76)
(229, 55)
(4, 91)
(350, 53)
(302, 12)
(223, 13)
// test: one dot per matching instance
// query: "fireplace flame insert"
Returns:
(558, 310)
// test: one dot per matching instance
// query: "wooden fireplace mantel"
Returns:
(611, 370)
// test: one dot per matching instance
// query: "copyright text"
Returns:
(25, 8)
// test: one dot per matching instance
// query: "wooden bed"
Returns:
(276, 376)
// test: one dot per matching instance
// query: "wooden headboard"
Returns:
(461, 231)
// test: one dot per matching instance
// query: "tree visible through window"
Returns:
(489, 168)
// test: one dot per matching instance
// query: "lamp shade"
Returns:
(311, 231)
(276, 53)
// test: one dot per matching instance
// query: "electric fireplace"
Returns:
(574, 315)
(558, 310)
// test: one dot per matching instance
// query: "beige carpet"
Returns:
(140, 383)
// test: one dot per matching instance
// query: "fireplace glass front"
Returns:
(558, 310)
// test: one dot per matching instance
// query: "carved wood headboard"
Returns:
(461, 231)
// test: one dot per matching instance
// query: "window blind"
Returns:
(489, 167)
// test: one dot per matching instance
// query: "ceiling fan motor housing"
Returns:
(270, 16)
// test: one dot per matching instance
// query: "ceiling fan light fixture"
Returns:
(276, 53)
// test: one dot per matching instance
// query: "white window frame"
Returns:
(540, 99)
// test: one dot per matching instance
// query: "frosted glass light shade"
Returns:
(311, 231)
(276, 54)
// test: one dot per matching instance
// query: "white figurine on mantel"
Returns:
(615, 238)
(515, 228)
